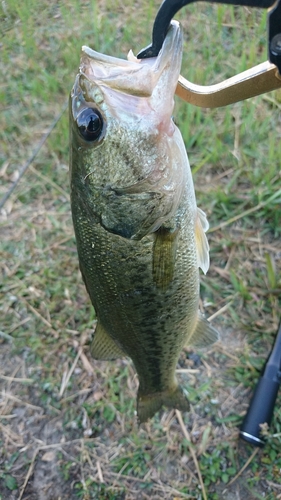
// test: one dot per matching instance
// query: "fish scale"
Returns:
(139, 234)
(144, 316)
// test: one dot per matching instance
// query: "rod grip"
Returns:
(260, 410)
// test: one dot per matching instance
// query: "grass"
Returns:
(67, 423)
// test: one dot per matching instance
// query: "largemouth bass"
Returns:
(140, 236)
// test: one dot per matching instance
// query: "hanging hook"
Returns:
(255, 81)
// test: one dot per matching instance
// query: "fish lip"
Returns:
(171, 51)
(104, 58)
(138, 76)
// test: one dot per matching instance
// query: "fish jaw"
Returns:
(125, 83)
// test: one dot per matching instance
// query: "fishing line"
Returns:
(33, 156)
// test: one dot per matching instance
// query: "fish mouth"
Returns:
(137, 77)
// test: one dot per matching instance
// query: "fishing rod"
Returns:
(261, 408)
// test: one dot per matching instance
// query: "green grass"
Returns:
(62, 415)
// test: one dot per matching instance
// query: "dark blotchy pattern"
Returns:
(150, 324)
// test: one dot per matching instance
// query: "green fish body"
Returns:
(140, 236)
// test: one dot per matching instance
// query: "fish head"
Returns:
(126, 155)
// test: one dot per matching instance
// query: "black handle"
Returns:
(262, 405)
(169, 8)
(260, 410)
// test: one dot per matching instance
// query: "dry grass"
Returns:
(67, 424)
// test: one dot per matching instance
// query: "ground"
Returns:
(68, 428)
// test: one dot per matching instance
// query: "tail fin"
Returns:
(149, 404)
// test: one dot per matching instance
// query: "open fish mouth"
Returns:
(139, 77)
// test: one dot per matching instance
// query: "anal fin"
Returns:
(103, 346)
(203, 334)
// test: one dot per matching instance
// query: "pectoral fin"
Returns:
(164, 254)
(204, 333)
(103, 347)
(202, 245)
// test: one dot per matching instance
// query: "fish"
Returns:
(139, 233)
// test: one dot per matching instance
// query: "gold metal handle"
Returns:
(255, 81)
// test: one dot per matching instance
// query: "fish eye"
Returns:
(90, 124)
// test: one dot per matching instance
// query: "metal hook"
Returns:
(258, 80)
(169, 8)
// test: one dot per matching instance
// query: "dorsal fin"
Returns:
(202, 245)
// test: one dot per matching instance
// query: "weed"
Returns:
(73, 422)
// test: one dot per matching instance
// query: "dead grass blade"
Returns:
(245, 213)
(16, 379)
(18, 400)
(192, 452)
(47, 180)
(244, 467)
(29, 472)
(33, 156)
(67, 377)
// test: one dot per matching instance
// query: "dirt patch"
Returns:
(59, 451)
